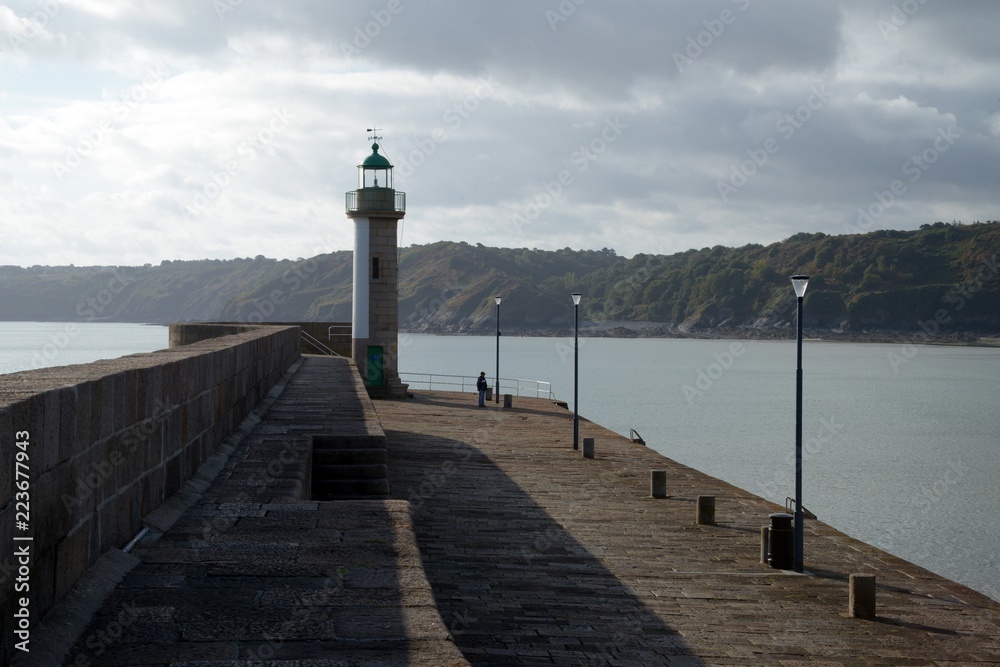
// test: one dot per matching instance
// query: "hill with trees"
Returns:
(941, 276)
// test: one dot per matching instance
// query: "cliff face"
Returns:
(941, 276)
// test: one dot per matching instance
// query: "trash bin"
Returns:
(780, 541)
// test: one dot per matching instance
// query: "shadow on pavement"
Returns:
(511, 584)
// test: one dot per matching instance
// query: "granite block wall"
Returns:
(87, 451)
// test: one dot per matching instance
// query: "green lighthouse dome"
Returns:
(376, 161)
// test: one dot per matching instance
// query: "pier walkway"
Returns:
(500, 545)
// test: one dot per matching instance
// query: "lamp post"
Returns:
(496, 385)
(576, 370)
(799, 284)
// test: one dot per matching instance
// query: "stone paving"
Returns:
(499, 545)
(254, 573)
(538, 556)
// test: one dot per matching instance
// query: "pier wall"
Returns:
(87, 451)
(333, 335)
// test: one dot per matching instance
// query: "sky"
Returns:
(136, 131)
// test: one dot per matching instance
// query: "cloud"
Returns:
(133, 132)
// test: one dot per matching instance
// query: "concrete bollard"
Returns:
(861, 600)
(765, 535)
(658, 483)
(588, 448)
(507, 400)
(706, 510)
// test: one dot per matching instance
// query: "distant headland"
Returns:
(939, 283)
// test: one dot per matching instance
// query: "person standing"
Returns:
(482, 385)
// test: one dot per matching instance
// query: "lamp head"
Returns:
(799, 284)
(576, 298)
(497, 299)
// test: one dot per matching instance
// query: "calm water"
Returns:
(901, 446)
(28, 345)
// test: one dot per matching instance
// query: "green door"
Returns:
(375, 378)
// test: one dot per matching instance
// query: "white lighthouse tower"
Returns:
(375, 208)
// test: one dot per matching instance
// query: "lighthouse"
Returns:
(375, 207)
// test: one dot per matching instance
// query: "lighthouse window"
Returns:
(374, 268)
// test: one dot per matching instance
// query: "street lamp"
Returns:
(496, 385)
(576, 370)
(799, 284)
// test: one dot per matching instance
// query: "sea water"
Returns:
(901, 444)
(29, 345)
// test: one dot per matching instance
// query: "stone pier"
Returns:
(497, 545)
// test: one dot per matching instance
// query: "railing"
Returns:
(330, 335)
(790, 508)
(463, 383)
(375, 199)
(318, 344)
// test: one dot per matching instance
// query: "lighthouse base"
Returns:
(391, 390)
(377, 367)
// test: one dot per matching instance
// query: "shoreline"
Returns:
(951, 339)
(627, 330)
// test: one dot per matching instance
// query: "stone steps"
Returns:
(349, 467)
(350, 471)
(334, 457)
(350, 489)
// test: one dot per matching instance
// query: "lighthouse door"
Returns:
(375, 378)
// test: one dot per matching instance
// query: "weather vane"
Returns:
(374, 136)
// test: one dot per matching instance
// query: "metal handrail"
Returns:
(789, 502)
(442, 382)
(319, 345)
(329, 331)
(635, 437)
